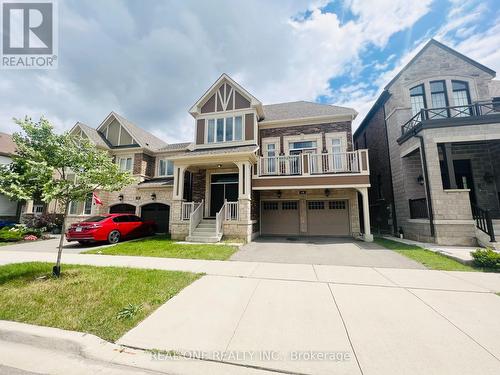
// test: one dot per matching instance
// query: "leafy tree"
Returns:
(60, 167)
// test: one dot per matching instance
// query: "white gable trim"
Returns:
(254, 102)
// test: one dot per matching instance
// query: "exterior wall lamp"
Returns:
(279, 193)
(420, 180)
(327, 192)
(120, 197)
(153, 196)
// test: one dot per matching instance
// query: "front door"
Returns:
(463, 177)
(222, 187)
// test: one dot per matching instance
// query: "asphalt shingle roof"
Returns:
(220, 150)
(303, 109)
(175, 146)
(141, 136)
(94, 136)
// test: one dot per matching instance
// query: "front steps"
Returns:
(484, 239)
(204, 232)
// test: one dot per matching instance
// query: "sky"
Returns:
(151, 60)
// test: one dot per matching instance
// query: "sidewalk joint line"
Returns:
(346, 330)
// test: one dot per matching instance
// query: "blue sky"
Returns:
(151, 63)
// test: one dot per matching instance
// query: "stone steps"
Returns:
(204, 232)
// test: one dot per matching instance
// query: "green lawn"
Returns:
(428, 258)
(163, 246)
(85, 298)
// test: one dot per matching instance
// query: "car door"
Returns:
(135, 226)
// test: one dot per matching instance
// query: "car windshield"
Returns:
(94, 219)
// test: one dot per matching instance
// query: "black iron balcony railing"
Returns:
(470, 110)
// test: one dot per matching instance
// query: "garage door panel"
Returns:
(280, 217)
(328, 218)
(159, 213)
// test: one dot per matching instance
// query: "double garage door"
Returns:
(324, 218)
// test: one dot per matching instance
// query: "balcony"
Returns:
(312, 169)
(479, 112)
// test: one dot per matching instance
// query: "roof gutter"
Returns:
(427, 187)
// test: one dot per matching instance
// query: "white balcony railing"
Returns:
(314, 164)
(345, 162)
(281, 165)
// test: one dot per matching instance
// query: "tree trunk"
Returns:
(56, 270)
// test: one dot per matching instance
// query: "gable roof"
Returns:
(434, 42)
(93, 135)
(141, 136)
(254, 102)
(7, 145)
(302, 109)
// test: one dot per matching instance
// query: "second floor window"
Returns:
(461, 97)
(439, 99)
(226, 129)
(417, 98)
(125, 163)
(165, 168)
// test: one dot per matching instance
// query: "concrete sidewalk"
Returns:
(315, 319)
(391, 277)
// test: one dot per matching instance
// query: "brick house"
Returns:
(285, 169)
(434, 141)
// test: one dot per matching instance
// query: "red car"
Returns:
(111, 228)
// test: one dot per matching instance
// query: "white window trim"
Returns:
(302, 138)
(336, 135)
(166, 169)
(118, 160)
(222, 115)
(271, 140)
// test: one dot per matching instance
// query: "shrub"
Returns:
(11, 234)
(46, 221)
(486, 258)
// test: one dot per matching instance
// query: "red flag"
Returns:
(96, 198)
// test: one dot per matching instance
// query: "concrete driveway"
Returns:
(393, 321)
(319, 250)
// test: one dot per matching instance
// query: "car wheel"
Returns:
(114, 236)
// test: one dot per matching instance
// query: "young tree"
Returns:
(57, 167)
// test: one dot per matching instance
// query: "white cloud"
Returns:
(150, 63)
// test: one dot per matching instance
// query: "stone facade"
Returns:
(451, 209)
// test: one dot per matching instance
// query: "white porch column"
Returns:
(367, 236)
(178, 192)
(244, 180)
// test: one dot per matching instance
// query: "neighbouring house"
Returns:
(9, 209)
(284, 169)
(434, 142)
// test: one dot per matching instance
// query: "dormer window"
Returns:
(224, 129)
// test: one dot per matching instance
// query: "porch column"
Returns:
(178, 193)
(244, 180)
(367, 236)
(449, 165)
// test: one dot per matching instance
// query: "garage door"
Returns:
(328, 218)
(280, 218)
(159, 213)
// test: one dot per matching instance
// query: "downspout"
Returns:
(427, 187)
(393, 205)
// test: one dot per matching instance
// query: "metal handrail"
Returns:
(280, 165)
(483, 221)
(195, 217)
(335, 162)
(219, 227)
